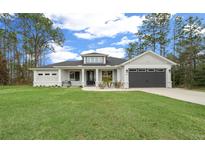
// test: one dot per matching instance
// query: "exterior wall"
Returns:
(74, 83)
(147, 61)
(64, 75)
(45, 80)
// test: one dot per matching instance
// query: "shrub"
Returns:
(101, 85)
(118, 84)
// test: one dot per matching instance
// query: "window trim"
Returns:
(74, 79)
(132, 70)
(140, 70)
(148, 70)
(158, 70)
(94, 60)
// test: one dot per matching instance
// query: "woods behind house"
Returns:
(26, 39)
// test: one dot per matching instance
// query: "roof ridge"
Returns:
(116, 57)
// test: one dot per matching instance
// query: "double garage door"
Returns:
(144, 77)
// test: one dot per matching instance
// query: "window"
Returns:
(54, 74)
(75, 76)
(133, 70)
(40, 74)
(106, 75)
(150, 70)
(92, 60)
(47, 73)
(141, 70)
(159, 70)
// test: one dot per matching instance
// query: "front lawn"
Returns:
(59, 113)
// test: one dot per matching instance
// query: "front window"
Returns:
(106, 76)
(75, 76)
(94, 60)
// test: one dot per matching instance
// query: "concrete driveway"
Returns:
(178, 93)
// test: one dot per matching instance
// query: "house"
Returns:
(145, 70)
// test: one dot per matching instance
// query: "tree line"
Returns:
(177, 38)
(25, 39)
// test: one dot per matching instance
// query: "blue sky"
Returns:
(103, 33)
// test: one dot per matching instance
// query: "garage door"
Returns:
(147, 78)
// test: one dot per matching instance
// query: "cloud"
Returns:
(62, 54)
(101, 42)
(111, 51)
(90, 26)
(124, 41)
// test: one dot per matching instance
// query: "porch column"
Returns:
(59, 77)
(34, 78)
(96, 78)
(168, 78)
(83, 77)
(118, 75)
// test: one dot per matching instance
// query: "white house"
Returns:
(146, 70)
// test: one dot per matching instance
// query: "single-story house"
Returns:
(145, 70)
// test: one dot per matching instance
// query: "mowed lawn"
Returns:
(59, 113)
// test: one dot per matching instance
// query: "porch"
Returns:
(88, 77)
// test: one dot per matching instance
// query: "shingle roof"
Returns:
(112, 61)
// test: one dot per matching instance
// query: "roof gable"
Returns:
(149, 57)
(93, 54)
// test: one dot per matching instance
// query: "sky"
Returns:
(102, 33)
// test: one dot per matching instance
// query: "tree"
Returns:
(149, 29)
(4, 76)
(163, 20)
(188, 45)
(131, 50)
(24, 39)
(40, 34)
(153, 34)
(177, 35)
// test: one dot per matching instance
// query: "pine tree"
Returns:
(163, 20)
(4, 74)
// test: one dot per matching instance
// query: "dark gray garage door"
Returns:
(147, 78)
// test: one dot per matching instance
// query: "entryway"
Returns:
(90, 78)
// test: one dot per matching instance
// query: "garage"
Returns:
(46, 78)
(147, 77)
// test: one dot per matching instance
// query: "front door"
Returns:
(90, 78)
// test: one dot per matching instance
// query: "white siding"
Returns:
(64, 75)
(149, 59)
(45, 80)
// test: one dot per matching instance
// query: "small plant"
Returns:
(107, 81)
(118, 84)
(109, 84)
(101, 85)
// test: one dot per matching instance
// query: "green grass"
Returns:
(58, 113)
